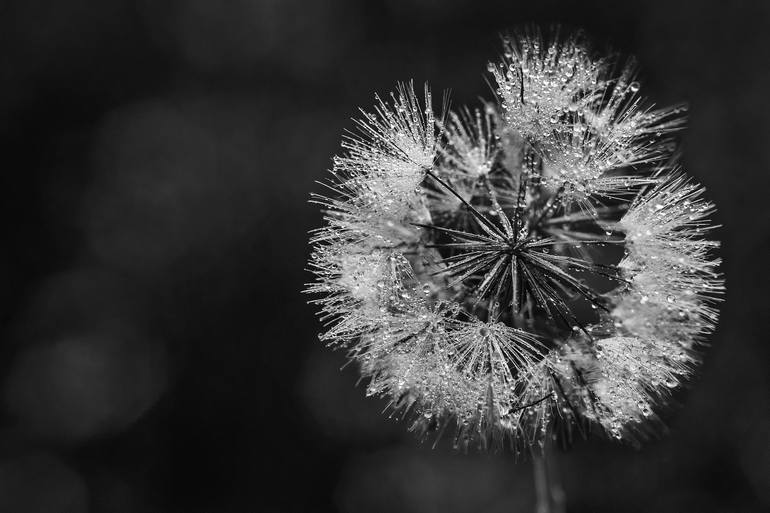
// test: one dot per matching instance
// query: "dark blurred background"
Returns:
(157, 354)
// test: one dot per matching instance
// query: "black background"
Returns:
(157, 157)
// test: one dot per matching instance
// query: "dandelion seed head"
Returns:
(460, 252)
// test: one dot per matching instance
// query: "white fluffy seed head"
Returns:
(460, 253)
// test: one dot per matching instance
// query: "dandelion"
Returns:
(531, 267)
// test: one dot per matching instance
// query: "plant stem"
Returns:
(548, 491)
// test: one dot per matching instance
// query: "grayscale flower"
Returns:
(527, 267)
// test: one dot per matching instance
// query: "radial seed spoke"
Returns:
(461, 278)
(489, 278)
(484, 223)
(457, 233)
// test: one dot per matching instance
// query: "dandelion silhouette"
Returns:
(522, 270)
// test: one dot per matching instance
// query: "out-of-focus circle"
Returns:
(243, 36)
(176, 182)
(411, 480)
(40, 483)
(86, 364)
(84, 385)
